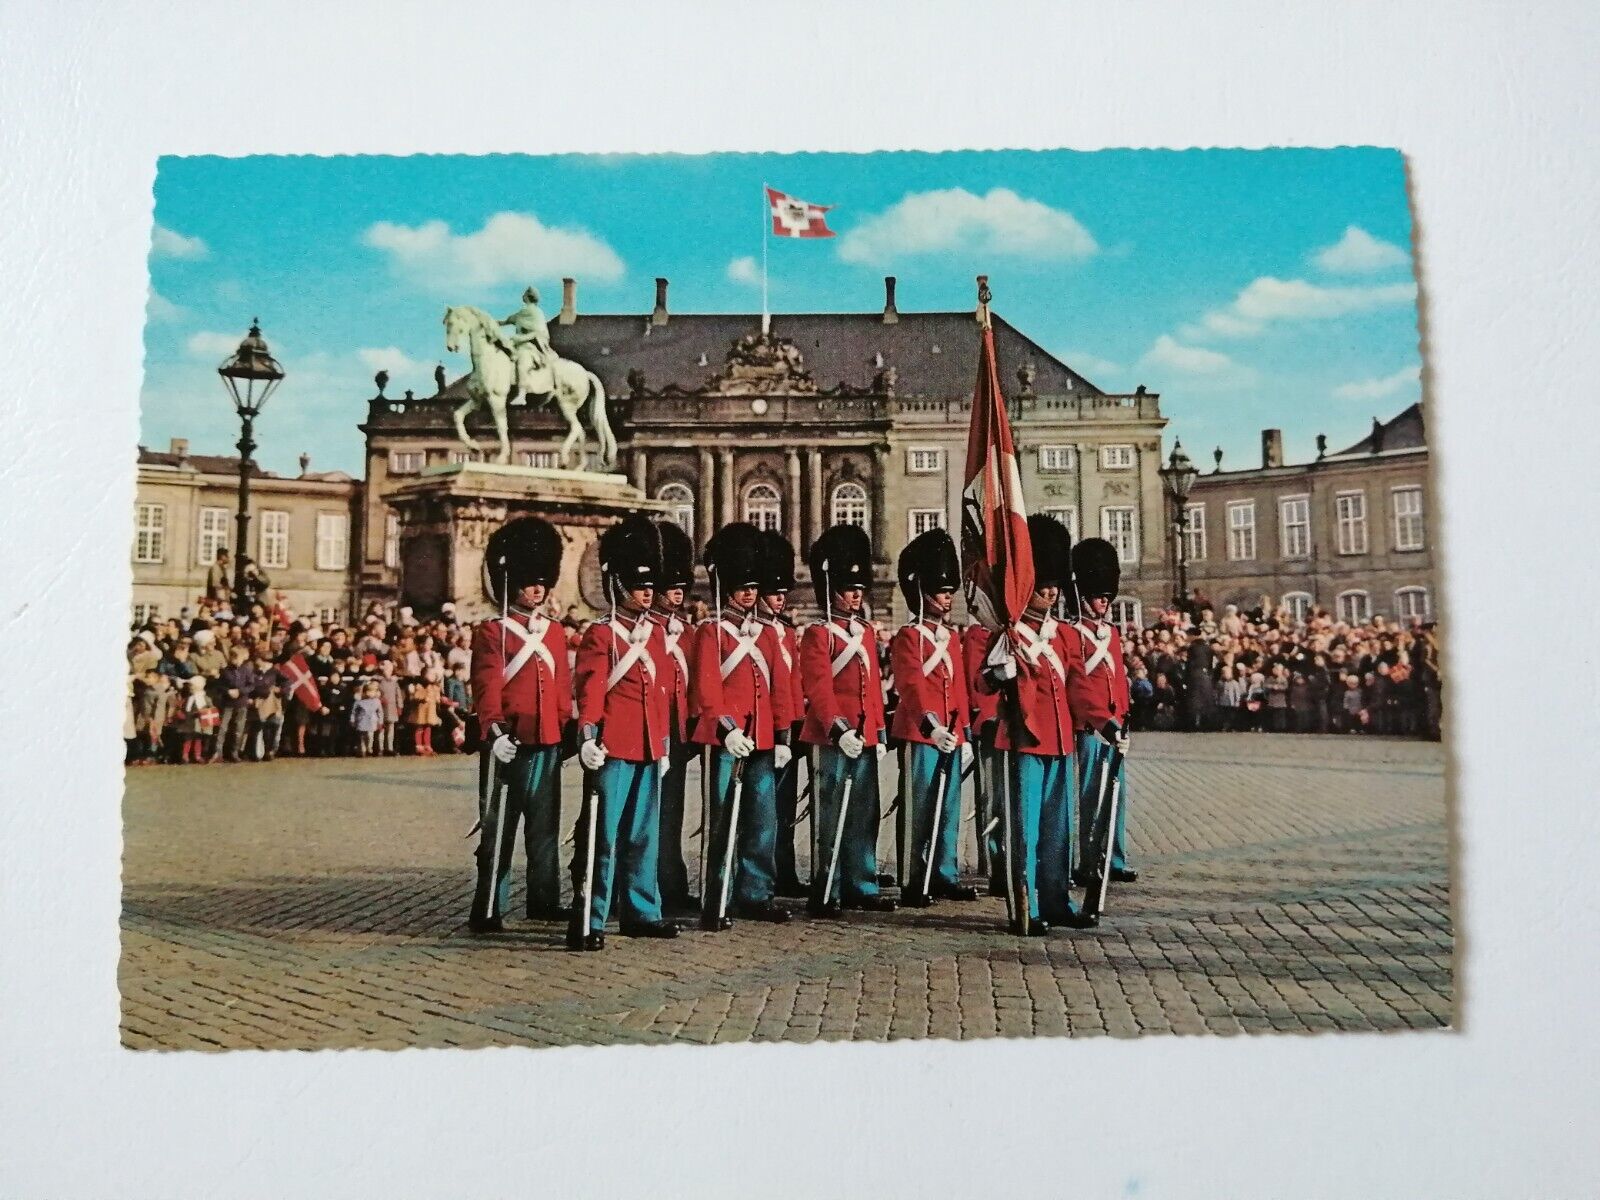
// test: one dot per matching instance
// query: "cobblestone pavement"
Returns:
(1289, 883)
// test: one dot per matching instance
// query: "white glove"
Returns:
(1006, 669)
(504, 748)
(883, 748)
(592, 755)
(851, 744)
(944, 740)
(966, 755)
(780, 757)
(737, 744)
(663, 765)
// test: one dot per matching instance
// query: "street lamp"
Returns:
(250, 376)
(1178, 477)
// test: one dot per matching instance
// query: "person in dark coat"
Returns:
(1200, 687)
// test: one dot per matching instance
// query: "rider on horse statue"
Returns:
(529, 346)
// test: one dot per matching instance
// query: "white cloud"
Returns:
(997, 223)
(167, 243)
(1092, 365)
(1267, 299)
(743, 270)
(1169, 354)
(1378, 389)
(395, 361)
(511, 248)
(1358, 252)
(209, 344)
(158, 308)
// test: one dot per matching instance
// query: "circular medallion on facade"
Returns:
(759, 406)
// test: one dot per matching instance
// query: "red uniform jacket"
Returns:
(679, 638)
(624, 683)
(1101, 694)
(755, 694)
(1042, 671)
(790, 641)
(852, 692)
(975, 648)
(931, 679)
(522, 680)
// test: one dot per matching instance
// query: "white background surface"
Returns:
(1495, 107)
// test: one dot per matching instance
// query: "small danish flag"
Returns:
(797, 218)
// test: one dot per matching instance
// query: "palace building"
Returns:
(827, 417)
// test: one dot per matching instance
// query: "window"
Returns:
(924, 460)
(1411, 602)
(274, 545)
(682, 500)
(1350, 511)
(1116, 458)
(1116, 526)
(391, 539)
(1299, 606)
(762, 507)
(1294, 526)
(850, 505)
(1067, 514)
(406, 462)
(462, 457)
(150, 533)
(920, 520)
(213, 531)
(1058, 458)
(545, 459)
(1241, 530)
(327, 617)
(333, 531)
(1194, 534)
(1354, 608)
(1126, 613)
(1408, 518)
(143, 614)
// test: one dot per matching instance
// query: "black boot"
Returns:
(997, 887)
(826, 911)
(550, 912)
(915, 900)
(578, 941)
(792, 889)
(650, 929)
(486, 925)
(958, 891)
(765, 911)
(711, 923)
(1124, 875)
(1036, 928)
(872, 904)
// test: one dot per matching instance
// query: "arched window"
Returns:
(1411, 602)
(850, 505)
(1299, 606)
(1354, 608)
(682, 500)
(762, 508)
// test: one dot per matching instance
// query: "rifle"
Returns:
(590, 817)
(941, 779)
(838, 825)
(736, 790)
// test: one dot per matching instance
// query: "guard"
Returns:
(742, 695)
(1099, 684)
(931, 722)
(777, 581)
(522, 685)
(625, 736)
(677, 574)
(844, 722)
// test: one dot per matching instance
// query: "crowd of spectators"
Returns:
(1262, 670)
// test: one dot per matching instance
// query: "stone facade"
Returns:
(1350, 531)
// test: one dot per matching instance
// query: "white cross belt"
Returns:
(532, 644)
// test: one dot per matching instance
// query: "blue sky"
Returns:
(1249, 288)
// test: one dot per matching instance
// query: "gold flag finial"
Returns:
(983, 301)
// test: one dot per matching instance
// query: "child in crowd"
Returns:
(1255, 698)
(152, 708)
(389, 694)
(1230, 698)
(366, 716)
(193, 725)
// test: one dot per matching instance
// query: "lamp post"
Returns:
(1178, 477)
(250, 376)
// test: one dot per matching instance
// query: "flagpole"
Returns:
(766, 236)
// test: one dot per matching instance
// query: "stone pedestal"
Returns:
(448, 513)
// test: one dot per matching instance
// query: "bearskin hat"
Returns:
(840, 559)
(630, 554)
(677, 556)
(1052, 551)
(1096, 567)
(928, 564)
(523, 551)
(777, 563)
(734, 557)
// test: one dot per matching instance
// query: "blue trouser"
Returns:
(626, 844)
(1093, 754)
(1057, 782)
(757, 835)
(990, 764)
(1038, 785)
(922, 764)
(525, 790)
(856, 875)
(787, 804)
(674, 873)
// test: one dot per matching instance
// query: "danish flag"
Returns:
(797, 218)
(301, 685)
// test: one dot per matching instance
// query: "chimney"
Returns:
(891, 315)
(180, 447)
(305, 463)
(569, 302)
(659, 315)
(1271, 448)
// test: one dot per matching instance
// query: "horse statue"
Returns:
(493, 381)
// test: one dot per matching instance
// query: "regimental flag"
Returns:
(797, 218)
(302, 684)
(994, 518)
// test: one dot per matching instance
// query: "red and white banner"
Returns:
(302, 685)
(994, 519)
(796, 218)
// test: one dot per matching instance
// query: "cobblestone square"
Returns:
(1293, 884)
